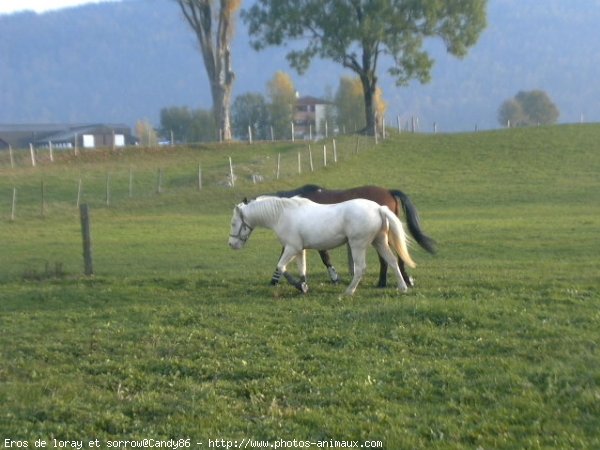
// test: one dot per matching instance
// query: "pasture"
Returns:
(178, 336)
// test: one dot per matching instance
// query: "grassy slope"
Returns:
(177, 336)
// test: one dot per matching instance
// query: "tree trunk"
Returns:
(221, 89)
(222, 110)
(369, 97)
(369, 84)
(215, 45)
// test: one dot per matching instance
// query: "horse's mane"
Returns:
(274, 202)
(270, 207)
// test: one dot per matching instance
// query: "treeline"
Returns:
(268, 116)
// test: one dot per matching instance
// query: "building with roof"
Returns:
(65, 135)
(310, 117)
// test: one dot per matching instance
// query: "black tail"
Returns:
(413, 221)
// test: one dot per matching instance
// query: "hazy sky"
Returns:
(9, 6)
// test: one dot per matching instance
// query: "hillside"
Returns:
(124, 61)
(179, 337)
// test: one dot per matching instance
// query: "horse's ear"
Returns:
(245, 200)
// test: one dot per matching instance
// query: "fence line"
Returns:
(106, 188)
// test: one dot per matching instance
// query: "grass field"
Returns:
(179, 337)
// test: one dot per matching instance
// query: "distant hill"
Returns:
(124, 61)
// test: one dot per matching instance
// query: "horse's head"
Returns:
(240, 230)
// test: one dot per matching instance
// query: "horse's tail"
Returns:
(413, 221)
(396, 235)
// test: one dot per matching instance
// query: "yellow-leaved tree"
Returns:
(349, 100)
(282, 96)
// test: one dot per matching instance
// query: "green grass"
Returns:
(177, 336)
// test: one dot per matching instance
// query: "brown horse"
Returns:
(393, 199)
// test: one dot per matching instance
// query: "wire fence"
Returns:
(37, 182)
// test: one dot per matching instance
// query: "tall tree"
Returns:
(355, 33)
(282, 96)
(213, 23)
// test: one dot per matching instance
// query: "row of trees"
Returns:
(353, 33)
(270, 117)
(270, 114)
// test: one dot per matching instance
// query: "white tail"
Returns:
(396, 236)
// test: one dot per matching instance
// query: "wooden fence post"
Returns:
(334, 152)
(108, 189)
(88, 264)
(32, 151)
(199, 177)
(14, 205)
(43, 202)
(79, 192)
(12, 157)
(278, 164)
(231, 172)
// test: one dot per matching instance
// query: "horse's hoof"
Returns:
(410, 282)
(303, 288)
(333, 275)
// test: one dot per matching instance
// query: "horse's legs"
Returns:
(407, 278)
(350, 260)
(287, 256)
(383, 267)
(277, 274)
(382, 272)
(333, 275)
(385, 252)
(359, 253)
(301, 262)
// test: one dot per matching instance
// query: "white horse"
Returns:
(302, 224)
